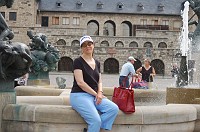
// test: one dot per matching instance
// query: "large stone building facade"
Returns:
(141, 28)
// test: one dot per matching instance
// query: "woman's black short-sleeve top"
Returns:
(146, 74)
(90, 76)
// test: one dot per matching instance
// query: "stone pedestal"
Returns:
(41, 82)
(42, 78)
(6, 98)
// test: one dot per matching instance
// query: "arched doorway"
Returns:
(111, 65)
(137, 64)
(159, 66)
(65, 64)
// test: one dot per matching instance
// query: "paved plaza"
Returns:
(111, 80)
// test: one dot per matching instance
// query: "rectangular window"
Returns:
(76, 21)
(12, 16)
(45, 21)
(55, 20)
(165, 22)
(154, 22)
(65, 20)
(3, 14)
(143, 21)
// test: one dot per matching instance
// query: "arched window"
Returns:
(109, 28)
(148, 45)
(159, 66)
(126, 27)
(65, 64)
(133, 44)
(75, 43)
(111, 65)
(162, 45)
(119, 44)
(93, 28)
(104, 44)
(61, 42)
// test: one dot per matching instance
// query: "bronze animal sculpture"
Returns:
(15, 60)
(44, 55)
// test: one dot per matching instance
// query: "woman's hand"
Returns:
(99, 97)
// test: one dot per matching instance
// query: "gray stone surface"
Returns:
(5, 98)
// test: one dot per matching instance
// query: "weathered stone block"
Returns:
(182, 95)
(5, 98)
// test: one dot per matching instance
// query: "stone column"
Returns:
(7, 96)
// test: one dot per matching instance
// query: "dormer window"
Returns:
(161, 7)
(140, 7)
(58, 4)
(120, 6)
(99, 5)
(79, 4)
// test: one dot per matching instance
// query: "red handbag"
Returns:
(124, 97)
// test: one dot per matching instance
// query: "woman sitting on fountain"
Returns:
(147, 72)
(87, 95)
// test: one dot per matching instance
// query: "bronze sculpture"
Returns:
(15, 57)
(44, 55)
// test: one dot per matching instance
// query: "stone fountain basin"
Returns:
(58, 118)
(43, 95)
(43, 109)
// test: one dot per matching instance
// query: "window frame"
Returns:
(76, 21)
(55, 20)
(65, 21)
(13, 18)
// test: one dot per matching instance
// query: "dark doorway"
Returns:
(159, 66)
(111, 66)
(65, 64)
(137, 64)
(45, 21)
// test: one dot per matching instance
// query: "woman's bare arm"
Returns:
(78, 74)
(139, 70)
(153, 72)
(100, 89)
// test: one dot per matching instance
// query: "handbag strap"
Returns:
(123, 84)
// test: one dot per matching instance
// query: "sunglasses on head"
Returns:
(85, 44)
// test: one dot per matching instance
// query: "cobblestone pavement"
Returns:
(111, 80)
